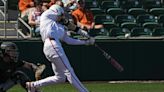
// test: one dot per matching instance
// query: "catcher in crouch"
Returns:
(10, 67)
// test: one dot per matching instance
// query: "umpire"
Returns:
(10, 67)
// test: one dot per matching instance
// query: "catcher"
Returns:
(11, 67)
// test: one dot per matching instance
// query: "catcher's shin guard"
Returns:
(7, 85)
(21, 77)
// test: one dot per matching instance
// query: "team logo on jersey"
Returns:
(56, 11)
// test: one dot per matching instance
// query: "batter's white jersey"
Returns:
(52, 33)
(49, 28)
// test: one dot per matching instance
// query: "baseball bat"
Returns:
(111, 60)
(108, 57)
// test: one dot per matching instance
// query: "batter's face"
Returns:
(81, 4)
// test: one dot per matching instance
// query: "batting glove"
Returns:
(90, 41)
(83, 33)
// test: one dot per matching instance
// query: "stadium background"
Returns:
(142, 56)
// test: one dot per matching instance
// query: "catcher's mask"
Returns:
(10, 49)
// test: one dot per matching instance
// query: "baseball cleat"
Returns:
(30, 87)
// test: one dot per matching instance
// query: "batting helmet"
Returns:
(58, 10)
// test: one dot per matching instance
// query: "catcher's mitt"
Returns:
(39, 71)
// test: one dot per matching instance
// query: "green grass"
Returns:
(102, 87)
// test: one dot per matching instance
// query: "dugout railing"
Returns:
(20, 23)
(3, 11)
(23, 24)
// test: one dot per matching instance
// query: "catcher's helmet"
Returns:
(10, 49)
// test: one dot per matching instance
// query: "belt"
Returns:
(52, 38)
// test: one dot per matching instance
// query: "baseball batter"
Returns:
(52, 33)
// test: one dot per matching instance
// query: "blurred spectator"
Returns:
(44, 6)
(59, 2)
(84, 17)
(52, 2)
(70, 4)
(34, 18)
(24, 6)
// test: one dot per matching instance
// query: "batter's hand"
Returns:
(90, 41)
(39, 71)
(83, 33)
